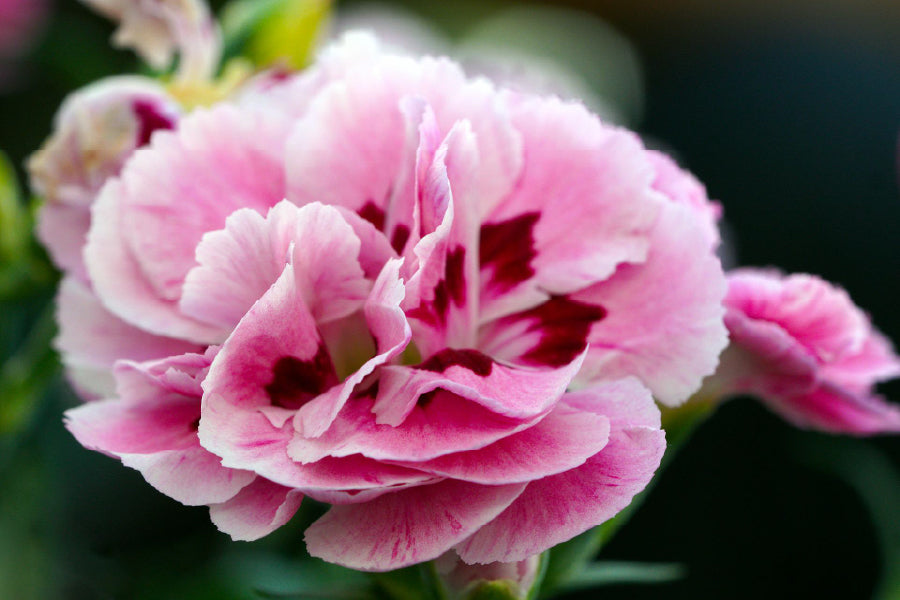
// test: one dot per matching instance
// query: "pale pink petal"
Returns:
(582, 205)
(63, 231)
(192, 476)
(239, 263)
(411, 526)
(119, 282)
(91, 339)
(439, 424)
(663, 318)
(516, 392)
(256, 511)
(460, 577)
(219, 160)
(683, 188)
(556, 508)
(561, 441)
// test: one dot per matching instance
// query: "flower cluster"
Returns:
(443, 308)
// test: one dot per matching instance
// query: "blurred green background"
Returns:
(789, 112)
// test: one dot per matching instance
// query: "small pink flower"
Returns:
(97, 129)
(380, 284)
(801, 345)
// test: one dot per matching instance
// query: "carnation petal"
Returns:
(441, 423)
(239, 263)
(91, 339)
(556, 508)
(561, 441)
(663, 320)
(582, 205)
(515, 392)
(257, 510)
(407, 527)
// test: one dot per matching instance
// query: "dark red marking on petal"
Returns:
(433, 313)
(425, 399)
(508, 246)
(399, 238)
(149, 120)
(195, 424)
(455, 275)
(295, 382)
(373, 214)
(473, 360)
(564, 325)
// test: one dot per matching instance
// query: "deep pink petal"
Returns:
(256, 511)
(830, 408)
(411, 526)
(820, 317)
(269, 360)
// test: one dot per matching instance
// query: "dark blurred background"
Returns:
(789, 112)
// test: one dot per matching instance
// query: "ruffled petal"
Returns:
(256, 511)
(91, 340)
(556, 508)
(663, 318)
(407, 527)
(238, 264)
(515, 392)
(561, 441)
(582, 205)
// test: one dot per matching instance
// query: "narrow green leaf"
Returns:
(618, 573)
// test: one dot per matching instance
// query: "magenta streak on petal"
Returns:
(150, 120)
(473, 360)
(564, 325)
(295, 382)
(508, 246)
(374, 215)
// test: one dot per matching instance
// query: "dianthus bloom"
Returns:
(803, 347)
(442, 308)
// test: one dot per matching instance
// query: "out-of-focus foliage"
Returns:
(275, 32)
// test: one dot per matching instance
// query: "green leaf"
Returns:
(274, 31)
(872, 475)
(618, 573)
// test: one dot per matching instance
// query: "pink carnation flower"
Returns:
(440, 307)
(803, 347)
